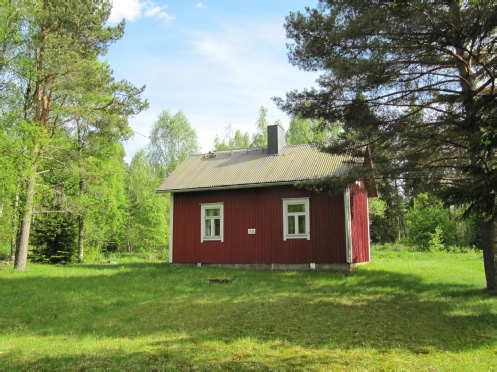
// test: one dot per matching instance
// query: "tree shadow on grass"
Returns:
(159, 359)
(405, 285)
(376, 309)
(119, 266)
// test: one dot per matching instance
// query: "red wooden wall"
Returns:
(360, 224)
(261, 209)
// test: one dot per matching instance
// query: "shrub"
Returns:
(435, 244)
(54, 238)
(425, 216)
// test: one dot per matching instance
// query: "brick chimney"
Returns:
(275, 139)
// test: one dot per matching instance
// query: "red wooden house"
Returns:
(240, 208)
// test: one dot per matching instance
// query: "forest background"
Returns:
(66, 191)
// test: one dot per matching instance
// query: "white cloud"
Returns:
(132, 10)
(251, 56)
(129, 9)
(199, 6)
(164, 17)
(152, 12)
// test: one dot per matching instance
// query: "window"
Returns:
(296, 219)
(212, 216)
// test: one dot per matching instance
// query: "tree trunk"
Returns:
(81, 216)
(81, 224)
(489, 245)
(13, 248)
(13, 239)
(22, 249)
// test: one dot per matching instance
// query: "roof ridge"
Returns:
(252, 149)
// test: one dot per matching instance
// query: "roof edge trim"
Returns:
(244, 186)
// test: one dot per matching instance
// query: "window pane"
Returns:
(208, 230)
(302, 225)
(296, 208)
(217, 227)
(291, 225)
(212, 212)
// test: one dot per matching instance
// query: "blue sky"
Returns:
(217, 60)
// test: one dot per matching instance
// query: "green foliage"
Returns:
(377, 208)
(147, 227)
(300, 131)
(303, 131)
(51, 82)
(15, 138)
(259, 139)
(436, 243)
(375, 57)
(105, 201)
(390, 227)
(6, 227)
(236, 140)
(415, 82)
(428, 224)
(239, 140)
(54, 238)
(54, 227)
(172, 138)
(10, 36)
(397, 246)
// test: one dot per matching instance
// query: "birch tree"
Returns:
(171, 140)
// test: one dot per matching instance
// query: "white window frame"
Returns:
(306, 213)
(203, 208)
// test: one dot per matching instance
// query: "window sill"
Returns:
(308, 237)
(210, 239)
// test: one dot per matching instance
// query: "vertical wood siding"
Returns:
(260, 209)
(360, 227)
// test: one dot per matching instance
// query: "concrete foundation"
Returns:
(283, 267)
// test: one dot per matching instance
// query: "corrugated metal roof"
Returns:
(254, 167)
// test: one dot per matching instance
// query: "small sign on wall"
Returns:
(251, 231)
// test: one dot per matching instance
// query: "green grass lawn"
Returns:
(402, 311)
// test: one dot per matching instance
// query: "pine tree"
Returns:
(427, 70)
(60, 47)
